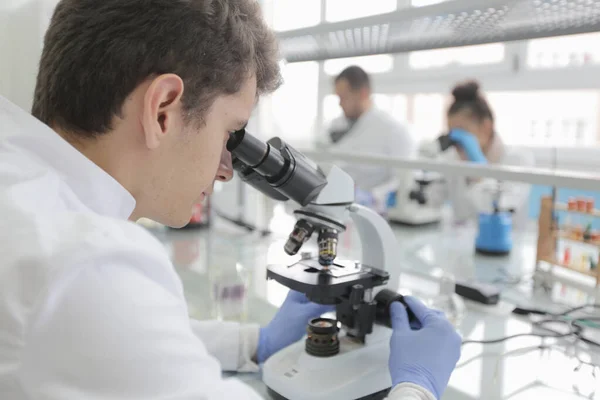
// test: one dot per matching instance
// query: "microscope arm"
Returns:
(379, 245)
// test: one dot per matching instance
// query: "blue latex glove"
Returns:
(427, 356)
(469, 143)
(289, 324)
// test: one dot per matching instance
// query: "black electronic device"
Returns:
(479, 292)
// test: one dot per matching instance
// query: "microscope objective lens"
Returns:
(301, 233)
(327, 246)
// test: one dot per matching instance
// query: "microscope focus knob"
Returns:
(357, 295)
(384, 299)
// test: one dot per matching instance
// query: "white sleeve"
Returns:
(398, 143)
(112, 332)
(232, 343)
(409, 391)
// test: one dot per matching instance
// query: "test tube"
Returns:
(595, 237)
(587, 234)
(571, 221)
(572, 204)
(567, 256)
(589, 205)
(581, 204)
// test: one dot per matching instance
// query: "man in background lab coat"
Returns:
(134, 103)
(364, 128)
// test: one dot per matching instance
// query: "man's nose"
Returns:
(225, 171)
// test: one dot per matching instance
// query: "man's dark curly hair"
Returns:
(96, 52)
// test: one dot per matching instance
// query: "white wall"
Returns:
(22, 27)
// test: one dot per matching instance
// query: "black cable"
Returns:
(572, 310)
(575, 327)
(583, 338)
(573, 331)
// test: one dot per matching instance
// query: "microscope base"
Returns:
(376, 396)
(493, 253)
(414, 215)
(358, 371)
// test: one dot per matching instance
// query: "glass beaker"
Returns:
(448, 301)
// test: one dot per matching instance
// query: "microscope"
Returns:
(347, 357)
(412, 205)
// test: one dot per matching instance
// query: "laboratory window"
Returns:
(400, 107)
(331, 109)
(428, 117)
(371, 64)
(285, 15)
(564, 52)
(458, 56)
(567, 118)
(291, 111)
(341, 10)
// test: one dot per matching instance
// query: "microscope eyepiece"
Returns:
(247, 148)
(275, 165)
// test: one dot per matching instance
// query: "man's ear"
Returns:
(162, 108)
(365, 93)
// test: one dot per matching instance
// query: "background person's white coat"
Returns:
(375, 132)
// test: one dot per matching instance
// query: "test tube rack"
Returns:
(549, 233)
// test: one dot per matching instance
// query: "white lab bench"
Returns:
(223, 272)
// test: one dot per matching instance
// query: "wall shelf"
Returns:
(591, 273)
(563, 207)
(449, 24)
(566, 236)
(547, 246)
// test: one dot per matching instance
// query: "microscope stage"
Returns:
(326, 285)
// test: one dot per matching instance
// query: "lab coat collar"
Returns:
(94, 187)
(97, 189)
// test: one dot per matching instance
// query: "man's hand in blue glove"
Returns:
(470, 145)
(425, 357)
(289, 324)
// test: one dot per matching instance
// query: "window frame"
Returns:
(512, 74)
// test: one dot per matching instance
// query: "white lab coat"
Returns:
(469, 198)
(375, 132)
(90, 304)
